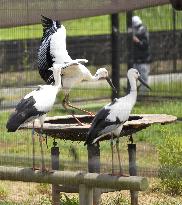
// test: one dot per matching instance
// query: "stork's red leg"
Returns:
(77, 108)
(112, 153)
(64, 103)
(33, 148)
(43, 168)
(67, 102)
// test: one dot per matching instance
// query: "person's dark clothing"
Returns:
(141, 50)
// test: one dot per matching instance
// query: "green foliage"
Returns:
(44, 201)
(65, 200)
(170, 153)
(3, 193)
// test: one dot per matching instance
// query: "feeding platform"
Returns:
(67, 128)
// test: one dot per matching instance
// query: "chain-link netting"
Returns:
(88, 26)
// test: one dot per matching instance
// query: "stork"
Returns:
(35, 105)
(110, 119)
(53, 53)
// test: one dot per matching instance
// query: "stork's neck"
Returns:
(133, 91)
(91, 77)
(57, 79)
(94, 78)
(133, 84)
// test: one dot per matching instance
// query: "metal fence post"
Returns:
(174, 41)
(115, 37)
(129, 44)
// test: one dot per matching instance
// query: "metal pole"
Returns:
(94, 167)
(133, 170)
(129, 44)
(115, 39)
(55, 166)
(174, 40)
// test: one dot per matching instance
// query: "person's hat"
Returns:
(136, 21)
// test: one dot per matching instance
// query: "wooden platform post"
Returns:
(133, 170)
(85, 195)
(55, 166)
(94, 167)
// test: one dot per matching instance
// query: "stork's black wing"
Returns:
(45, 60)
(49, 27)
(24, 112)
(101, 125)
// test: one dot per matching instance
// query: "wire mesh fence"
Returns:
(90, 38)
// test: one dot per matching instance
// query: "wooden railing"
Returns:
(85, 182)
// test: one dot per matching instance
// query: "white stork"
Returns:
(110, 119)
(53, 53)
(35, 105)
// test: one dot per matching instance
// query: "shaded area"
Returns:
(17, 55)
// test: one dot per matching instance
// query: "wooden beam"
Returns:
(21, 12)
(74, 178)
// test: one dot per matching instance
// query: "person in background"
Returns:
(141, 51)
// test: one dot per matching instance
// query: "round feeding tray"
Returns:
(67, 128)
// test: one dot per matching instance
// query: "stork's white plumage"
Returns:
(35, 105)
(110, 119)
(53, 53)
(58, 47)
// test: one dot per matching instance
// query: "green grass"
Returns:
(100, 24)
(18, 79)
(156, 133)
(167, 89)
